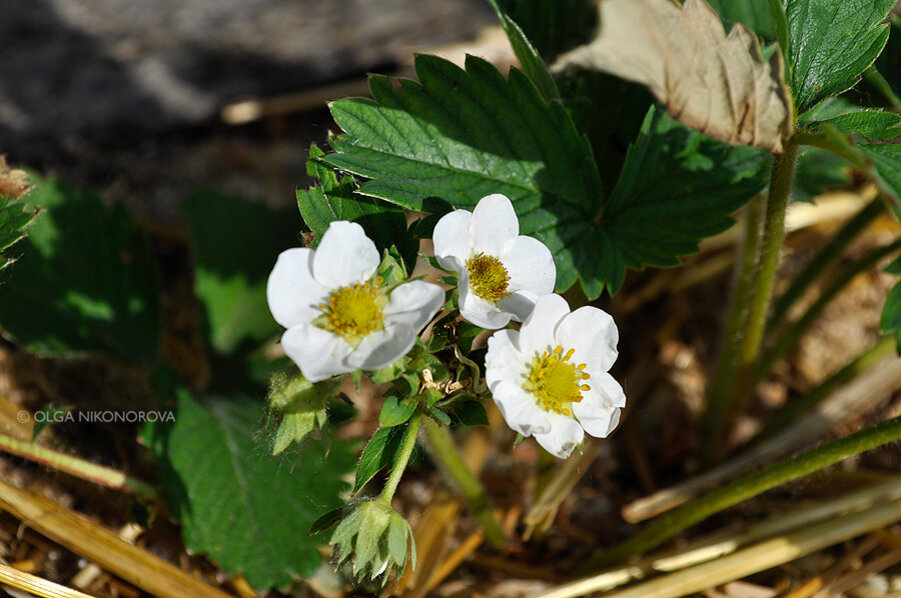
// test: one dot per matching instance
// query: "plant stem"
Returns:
(826, 256)
(794, 332)
(79, 468)
(880, 84)
(749, 486)
(444, 451)
(736, 385)
(407, 444)
(736, 322)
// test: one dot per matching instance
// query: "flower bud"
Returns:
(376, 538)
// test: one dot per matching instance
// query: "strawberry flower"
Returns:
(339, 316)
(550, 380)
(501, 273)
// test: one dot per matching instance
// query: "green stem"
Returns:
(880, 84)
(794, 408)
(407, 443)
(829, 253)
(79, 468)
(740, 385)
(736, 322)
(790, 337)
(444, 451)
(750, 486)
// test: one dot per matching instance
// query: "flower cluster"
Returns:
(549, 378)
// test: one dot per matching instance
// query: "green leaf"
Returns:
(459, 136)
(395, 411)
(235, 244)
(380, 452)
(528, 56)
(15, 214)
(469, 413)
(85, 281)
(832, 43)
(753, 14)
(677, 187)
(872, 141)
(250, 512)
(818, 171)
(553, 27)
(334, 200)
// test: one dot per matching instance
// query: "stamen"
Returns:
(555, 382)
(488, 277)
(354, 311)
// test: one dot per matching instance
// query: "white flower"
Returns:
(550, 378)
(502, 273)
(339, 318)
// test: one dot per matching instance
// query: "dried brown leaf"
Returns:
(709, 81)
(13, 183)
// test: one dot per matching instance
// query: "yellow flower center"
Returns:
(488, 278)
(354, 311)
(555, 382)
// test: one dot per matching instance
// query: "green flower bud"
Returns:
(376, 538)
(301, 406)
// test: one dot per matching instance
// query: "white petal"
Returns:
(598, 411)
(292, 292)
(563, 437)
(537, 332)
(414, 303)
(494, 224)
(520, 410)
(382, 348)
(593, 334)
(530, 266)
(451, 239)
(344, 256)
(318, 353)
(518, 304)
(477, 310)
(503, 362)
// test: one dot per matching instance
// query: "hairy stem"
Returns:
(749, 486)
(79, 468)
(447, 455)
(407, 444)
(736, 321)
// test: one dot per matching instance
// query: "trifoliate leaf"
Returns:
(85, 281)
(235, 244)
(337, 199)
(458, 136)
(716, 84)
(249, 511)
(832, 43)
(677, 187)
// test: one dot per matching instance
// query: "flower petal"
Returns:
(318, 353)
(530, 266)
(503, 362)
(292, 292)
(477, 310)
(382, 348)
(494, 224)
(451, 239)
(520, 410)
(599, 409)
(563, 437)
(518, 304)
(537, 332)
(414, 303)
(345, 256)
(593, 334)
